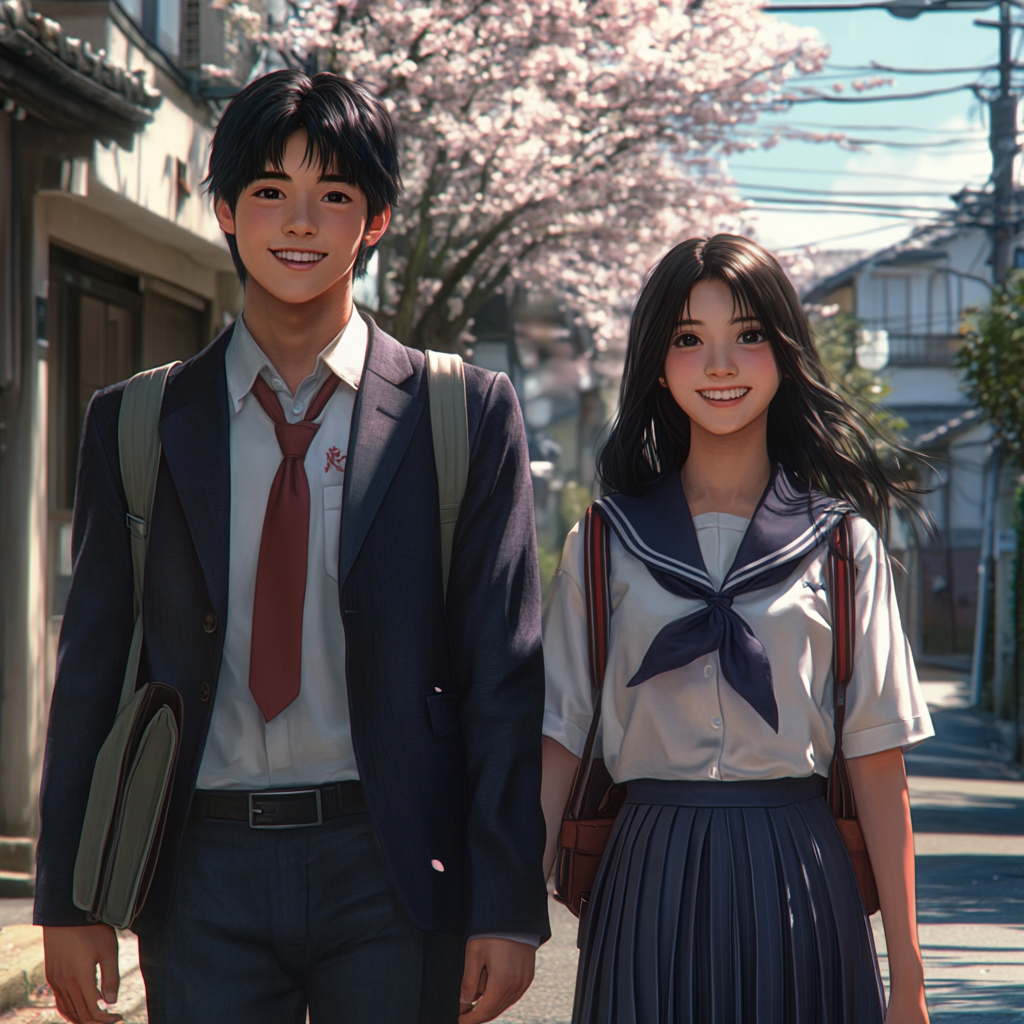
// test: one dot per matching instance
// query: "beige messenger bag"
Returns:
(134, 773)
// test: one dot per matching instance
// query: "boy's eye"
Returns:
(752, 337)
(336, 197)
(686, 341)
(267, 192)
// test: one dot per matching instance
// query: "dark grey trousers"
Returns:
(266, 924)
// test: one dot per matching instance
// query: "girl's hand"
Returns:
(907, 1006)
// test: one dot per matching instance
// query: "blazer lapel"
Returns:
(388, 407)
(194, 430)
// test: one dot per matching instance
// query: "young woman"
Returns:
(726, 895)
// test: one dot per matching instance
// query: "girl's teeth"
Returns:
(725, 396)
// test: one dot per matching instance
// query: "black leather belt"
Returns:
(280, 808)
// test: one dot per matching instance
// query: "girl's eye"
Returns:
(752, 337)
(336, 197)
(686, 341)
(267, 193)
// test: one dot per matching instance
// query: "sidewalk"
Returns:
(968, 807)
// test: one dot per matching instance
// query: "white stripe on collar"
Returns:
(632, 542)
(807, 541)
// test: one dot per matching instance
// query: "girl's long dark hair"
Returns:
(812, 431)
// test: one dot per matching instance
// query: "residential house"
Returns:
(110, 261)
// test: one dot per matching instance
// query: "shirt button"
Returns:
(277, 384)
(210, 622)
(296, 408)
(716, 722)
(709, 671)
(204, 693)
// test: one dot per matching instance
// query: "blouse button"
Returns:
(716, 722)
(709, 671)
(204, 693)
(713, 772)
(209, 622)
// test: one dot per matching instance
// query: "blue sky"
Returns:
(921, 175)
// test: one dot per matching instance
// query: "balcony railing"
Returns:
(923, 349)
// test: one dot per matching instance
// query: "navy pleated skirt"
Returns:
(726, 903)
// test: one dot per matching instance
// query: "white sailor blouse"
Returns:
(720, 652)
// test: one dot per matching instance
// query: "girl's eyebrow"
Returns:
(734, 320)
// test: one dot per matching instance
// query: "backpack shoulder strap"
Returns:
(138, 443)
(843, 593)
(449, 425)
(597, 593)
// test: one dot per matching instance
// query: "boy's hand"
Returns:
(71, 958)
(498, 972)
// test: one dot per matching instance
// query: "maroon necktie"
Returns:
(275, 661)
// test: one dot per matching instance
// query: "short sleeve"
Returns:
(569, 706)
(885, 704)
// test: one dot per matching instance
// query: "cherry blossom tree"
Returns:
(567, 142)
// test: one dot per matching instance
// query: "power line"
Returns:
(833, 192)
(874, 66)
(837, 238)
(924, 215)
(852, 174)
(881, 128)
(825, 98)
(843, 202)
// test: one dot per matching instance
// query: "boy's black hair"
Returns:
(349, 131)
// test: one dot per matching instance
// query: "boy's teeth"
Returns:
(299, 257)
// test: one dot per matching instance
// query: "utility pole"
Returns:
(998, 210)
(1006, 214)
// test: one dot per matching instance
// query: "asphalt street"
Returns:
(968, 807)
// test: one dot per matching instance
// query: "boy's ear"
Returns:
(376, 228)
(225, 216)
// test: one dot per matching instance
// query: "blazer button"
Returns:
(210, 622)
(204, 693)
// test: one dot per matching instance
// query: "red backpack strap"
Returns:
(843, 593)
(596, 590)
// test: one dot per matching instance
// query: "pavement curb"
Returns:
(22, 966)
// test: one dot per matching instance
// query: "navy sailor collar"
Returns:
(790, 521)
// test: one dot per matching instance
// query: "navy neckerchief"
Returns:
(789, 522)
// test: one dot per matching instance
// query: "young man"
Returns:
(294, 597)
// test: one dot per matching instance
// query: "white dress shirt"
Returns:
(689, 723)
(310, 742)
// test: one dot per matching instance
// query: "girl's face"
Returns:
(720, 366)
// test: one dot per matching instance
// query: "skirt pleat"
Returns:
(726, 903)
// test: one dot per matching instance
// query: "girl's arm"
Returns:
(883, 809)
(559, 774)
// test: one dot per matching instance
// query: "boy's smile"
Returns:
(299, 227)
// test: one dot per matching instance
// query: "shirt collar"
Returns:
(344, 356)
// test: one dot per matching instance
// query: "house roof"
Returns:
(941, 435)
(62, 81)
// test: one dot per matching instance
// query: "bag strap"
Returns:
(138, 443)
(597, 592)
(843, 590)
(449, 425)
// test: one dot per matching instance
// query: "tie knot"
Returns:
(295, 438)
(717, 600)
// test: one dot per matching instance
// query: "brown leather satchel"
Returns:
(843, 578)
(595, 799)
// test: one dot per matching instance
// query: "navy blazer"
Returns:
(446, 706)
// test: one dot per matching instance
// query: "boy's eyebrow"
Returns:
(281, 176)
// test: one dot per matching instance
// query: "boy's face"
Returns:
(298, 228)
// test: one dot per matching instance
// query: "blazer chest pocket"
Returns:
(332, 530)
(444, 713)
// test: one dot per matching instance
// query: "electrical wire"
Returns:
(843, 192)
(850, 174)
(825, 98)
(836, 238)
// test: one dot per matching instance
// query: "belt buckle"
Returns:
(254, 810)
